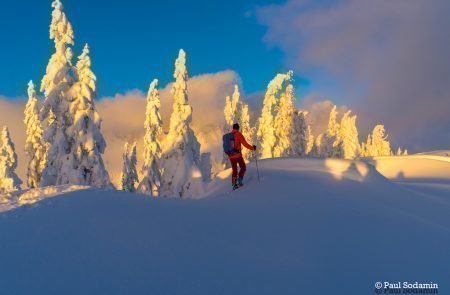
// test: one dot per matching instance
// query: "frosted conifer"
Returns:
(129, 176)
(377, 143)
(266, 130)
(83, 164)
(55, 85)
(9, 181)
(286, 139)
(151, 181)
(181, 149)
(35, 146)
(348, 136)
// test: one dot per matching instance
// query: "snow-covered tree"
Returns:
(349, 146)
(266, 129)
(9, 181)
(55, 85)
(129, 176)
(401, 153)
(319, 149)
(229, 115)
(83, 164)
(377, 143)
(243, 118)
(309, 141)
(181, 149)
(300, 136)
(287, 141)
(151, 173)
(331, 141)
(35, 146)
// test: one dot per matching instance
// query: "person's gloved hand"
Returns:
(254, 147)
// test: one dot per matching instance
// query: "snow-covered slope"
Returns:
(309, 227)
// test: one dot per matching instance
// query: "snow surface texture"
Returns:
(312, 226)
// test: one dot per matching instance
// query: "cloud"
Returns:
(319, 109)
(391, 57)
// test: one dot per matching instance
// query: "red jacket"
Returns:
(239, 140)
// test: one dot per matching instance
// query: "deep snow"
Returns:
(310, 227)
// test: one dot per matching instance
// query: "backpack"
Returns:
(228, 144)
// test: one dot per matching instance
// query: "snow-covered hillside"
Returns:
(310, 227)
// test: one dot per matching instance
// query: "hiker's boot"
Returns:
(240, 181)
(234, 183)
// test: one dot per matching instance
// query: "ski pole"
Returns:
(257, 169)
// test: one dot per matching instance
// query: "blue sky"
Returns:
(135, 41)
(386, 60)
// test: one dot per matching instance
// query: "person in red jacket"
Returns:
(236, 158)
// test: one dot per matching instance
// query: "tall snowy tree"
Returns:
(229, 115)
(129, 176)
(377, 143)
(284, 124)
(181, 149)
(331, 141)
(151, 173)
(243, 118)
(35, 146)
(55, 85)
(83, 164)
(9, 181)
(266, 130)
(319, 149)
(348, 136)
(300, 138)
(309, 141)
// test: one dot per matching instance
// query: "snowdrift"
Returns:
(309, 227)
(422, 167)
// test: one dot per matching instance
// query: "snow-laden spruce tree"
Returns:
(83, 163)
(151, 174)
(55, 85)
(181, 149)
(331, 140)
(319, 149)
(286, 140)
(35, 146)
(9, 181)
(348, 136)
(309, 141)
(129, 176)
(266, 130)
(377, 143)
(229, 115)
(401, 153)
(300, 138)
(243, 118)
